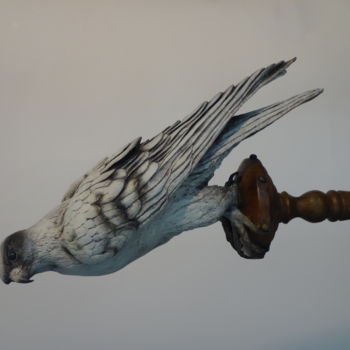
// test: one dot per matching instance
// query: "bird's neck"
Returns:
(47, 247)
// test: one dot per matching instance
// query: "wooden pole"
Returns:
(266, 208)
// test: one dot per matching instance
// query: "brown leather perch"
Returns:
(260, 202)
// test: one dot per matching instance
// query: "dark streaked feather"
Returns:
(156, 168)
(238, 129)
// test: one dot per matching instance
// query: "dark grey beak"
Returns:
(23, 277)
(19, 274)
(6, 279)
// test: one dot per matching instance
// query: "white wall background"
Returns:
(79, 79)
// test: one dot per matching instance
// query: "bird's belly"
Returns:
(137, 244)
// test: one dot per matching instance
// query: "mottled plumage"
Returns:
(143, 195)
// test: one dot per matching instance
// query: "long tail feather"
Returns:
(241, 127)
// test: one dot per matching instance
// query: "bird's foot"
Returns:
(240, 232)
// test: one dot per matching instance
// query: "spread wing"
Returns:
(239, 128)
(130, 187)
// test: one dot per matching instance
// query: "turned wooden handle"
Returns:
(266, 208)
(315, 206)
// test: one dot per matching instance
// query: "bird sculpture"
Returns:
(150, 191)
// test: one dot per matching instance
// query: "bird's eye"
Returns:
(11, 255)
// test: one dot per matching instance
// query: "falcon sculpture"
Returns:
(148, 192)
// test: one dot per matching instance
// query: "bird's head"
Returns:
(16, 258)
(34, 250)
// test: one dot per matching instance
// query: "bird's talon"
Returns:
(238, 229)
